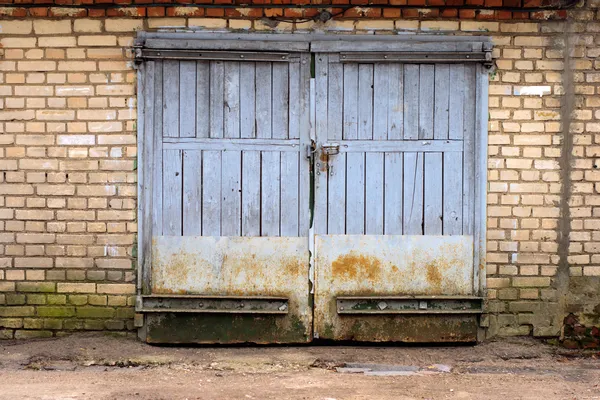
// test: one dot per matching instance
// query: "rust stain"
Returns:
(324, 160)
(353, 265)
(434, 276)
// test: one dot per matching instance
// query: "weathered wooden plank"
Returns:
(393, 194)
(280, 98)
(336, 210)
(270, 184)
(289, 194)
(453, 193)
(411, 102)
(355, 194)
(351, 146)
(320, 98)
(469, 115)
(365, 101)
(426, 82)
(264, 84)
(433, 194)
(335, 102)
(217, 71)
(350, 131)
(192, 192)
(395, 102)
(247, 100)
(374, 194)
(211, 193)
(231, 187)
(381, 100)
(295, 99)
(441, 102)
(231, 100)
(456, 102)
(202, 99)
(157, 179)
(251, 193)
(187, 99)
(306, 133)
(173, 190)
(233, 144)
(413, 194)
(171, 98)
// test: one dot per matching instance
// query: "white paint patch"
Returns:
(532, 90)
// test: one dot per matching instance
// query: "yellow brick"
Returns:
(97, 40)
(479, 26)
(87, 25)
(199, 22)
(123, 25)
(439, 26)
(374, 25)
(47, 27)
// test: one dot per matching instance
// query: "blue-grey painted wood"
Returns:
(280, 98)
(374, 199)
(433, 192)
(456, 102)
(157, 178)
(173, 192)
(381, 101)
(469, 116)
(441, 101)
(306, 134)
(295, 106)
(411, 102)
(247, 100)
(211, 193)
(251, 193)
(350, 115)
(171, 98)
(192, 192)
(321, 85)
(426, 90)
(396, 101)
(355, 194)
(453, 193)
(231, 196)
(270, 194)
(365, 101)
(290, 195)
(217, 71)
(202, 99)
(231, 100)
(393, 176)
(413, 194)
(336, 210)
(187, 99)
(264, 91)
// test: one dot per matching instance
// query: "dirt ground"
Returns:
(93, 366)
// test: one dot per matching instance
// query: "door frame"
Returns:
(405, 48)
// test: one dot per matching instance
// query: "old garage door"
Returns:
(238, 144)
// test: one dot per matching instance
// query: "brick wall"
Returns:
(68, 182)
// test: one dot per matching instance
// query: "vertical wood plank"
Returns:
(355, 194)
(306, 133)
(231, 188)
(350, 116)
(469, 112)
(192, 192)
(157, 178)
(413, 194)
(336, 202)
(211, 193)
(289, 193)
(374, 194)
(456, 102)
(251, 193)
(247, 100)
(393, 194)
(334, 101)
(145, 143)
(171, 98)
(295, 106)
(321, 85)
(280, 117)
(270, 194)
(365, 101)
(264, 82)
(426, 81)
(216, 98)
(231, 97)
(395, 102)
(433, 194)
(173, 190)
(453, 193)
(381, 101)
(187, 99)
(202, 99)
(411, 101)
(442, 97)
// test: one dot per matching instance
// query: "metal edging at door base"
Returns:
(377, 305)
(214, 304)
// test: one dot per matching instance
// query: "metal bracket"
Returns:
(213, 304)
(410, 305)
(330, 149)
(415, 57)
(171, 54)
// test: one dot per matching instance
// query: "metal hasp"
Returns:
(331, 149)
(214, 304)
(410, 305)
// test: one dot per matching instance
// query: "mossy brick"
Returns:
(95, 312)
(97, 300)
(93, 325)
(73, 324)
(125, 313)
(113, 325)
(14, 323)
(55, 312)
(17, 311)
(6, 333)
(37, 287)
(22, 334)
(117, 301)
(2, 299)
(78, 299)
(53, 323)
(36, 299)
(15, 299)
(57, 299)
(33, 323)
